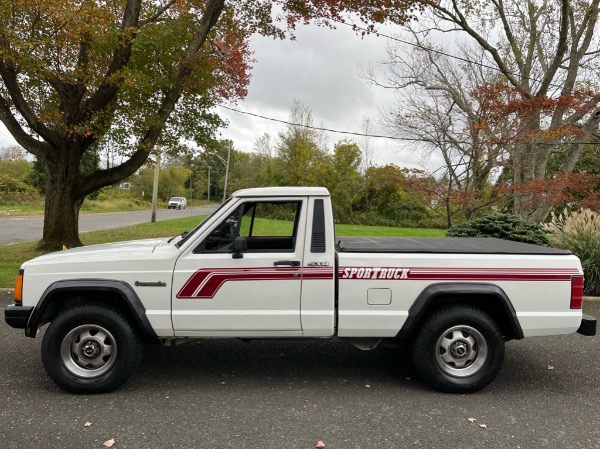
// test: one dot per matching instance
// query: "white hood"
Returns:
(134, 249)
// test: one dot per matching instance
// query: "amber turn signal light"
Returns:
(19, 288)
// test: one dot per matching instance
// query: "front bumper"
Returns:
(17, 316)
(588, 325)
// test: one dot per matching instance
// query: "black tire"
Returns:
(90, 348)
(459, 349)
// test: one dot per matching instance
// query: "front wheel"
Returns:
(459, 349)
(90, 349)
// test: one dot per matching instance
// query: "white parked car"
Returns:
(177, 202)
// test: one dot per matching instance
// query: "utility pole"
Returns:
(155, 188)
(226, 172)
(208, 189)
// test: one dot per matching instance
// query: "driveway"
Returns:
(289, 394)
(28, 229)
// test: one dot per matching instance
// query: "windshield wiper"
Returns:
(183, 234)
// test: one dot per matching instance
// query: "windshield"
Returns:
(197, 228)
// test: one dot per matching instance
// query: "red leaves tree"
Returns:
(529, 133)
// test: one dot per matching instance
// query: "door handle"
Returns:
(292, 263)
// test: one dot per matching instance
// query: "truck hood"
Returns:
(134, 249)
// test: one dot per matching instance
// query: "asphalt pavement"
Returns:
(17, 229)
(290, 394)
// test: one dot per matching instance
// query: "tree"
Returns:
(546, 53)
(344, 180)
(521, 88)
(132, 72)
(437, 105)
(301, 159)
(13, 162)
(12, 153)
(172, 180)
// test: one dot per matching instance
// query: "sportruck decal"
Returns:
(458, 274)
(374, 273)
(206, 282)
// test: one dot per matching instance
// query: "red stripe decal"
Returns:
(205, 283)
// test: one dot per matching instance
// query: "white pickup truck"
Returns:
(266, 264)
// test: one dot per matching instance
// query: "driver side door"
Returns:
(253, 294)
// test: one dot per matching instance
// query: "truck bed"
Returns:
(444, 245)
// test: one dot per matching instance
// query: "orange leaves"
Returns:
(559, 190)
(513, 117)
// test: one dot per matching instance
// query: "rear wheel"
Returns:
(90, 349)
(459, 349)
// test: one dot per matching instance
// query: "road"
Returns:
(286, 394)
(27, 229)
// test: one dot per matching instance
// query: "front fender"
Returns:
(130, 300)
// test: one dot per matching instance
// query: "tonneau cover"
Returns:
(449, 245)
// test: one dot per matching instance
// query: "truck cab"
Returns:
(236, 277)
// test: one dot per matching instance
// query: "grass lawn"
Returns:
(12, 256)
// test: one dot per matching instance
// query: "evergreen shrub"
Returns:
(502, 226)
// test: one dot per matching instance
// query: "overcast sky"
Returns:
(320, 69)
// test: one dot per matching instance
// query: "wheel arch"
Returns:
(66, 293)
(485, 296)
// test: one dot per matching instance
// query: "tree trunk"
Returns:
(61, 212)
(523, 173)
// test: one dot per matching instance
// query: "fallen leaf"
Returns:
(109, 443)
(222, 383)
(483, 426)
(320, 444)
(472, 419)
(87, 424)
(550, 367)
(367, 386)
(574, 350)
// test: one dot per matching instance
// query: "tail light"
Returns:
(18, 294)
(576, 292)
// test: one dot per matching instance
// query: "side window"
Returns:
(221, 239)
(271, 226)
(268, 226)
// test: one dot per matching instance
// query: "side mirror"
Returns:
(240, 245)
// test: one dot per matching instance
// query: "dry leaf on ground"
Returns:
(472, 419)
(109, 443)
(320, 444)
(87, 424)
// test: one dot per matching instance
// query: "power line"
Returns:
(382, 136)
(317, 128)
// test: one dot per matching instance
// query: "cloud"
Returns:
(320, 69)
